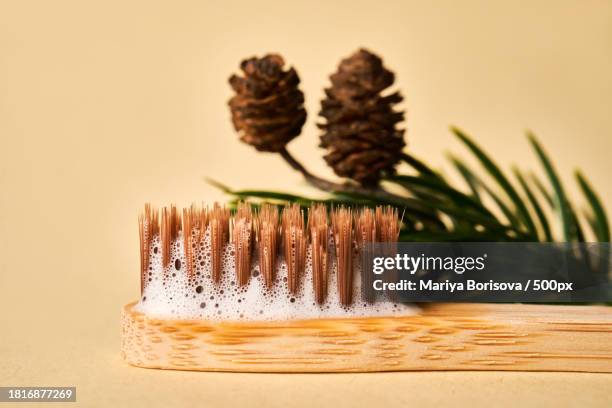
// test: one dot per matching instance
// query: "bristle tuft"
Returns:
(148, 225)
(219, 234)
(365, 233)
(388, 224)
(199, 222)
(242, 228)
(267, 232)
(319, 236)
(294, 239)
(188, 223)
(170, 226)
(342, 224)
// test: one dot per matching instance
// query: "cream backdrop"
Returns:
(105, 105)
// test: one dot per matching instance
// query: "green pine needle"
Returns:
(599, 221)
(499, 177)
(535, 205)
(559, 198)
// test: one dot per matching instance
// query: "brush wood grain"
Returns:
(441, 337)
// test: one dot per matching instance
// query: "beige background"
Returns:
(105, 105)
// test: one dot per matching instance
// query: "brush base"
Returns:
(512, 337)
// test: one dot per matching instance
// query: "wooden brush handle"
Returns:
(442, 337)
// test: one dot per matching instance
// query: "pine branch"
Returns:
(358, 191)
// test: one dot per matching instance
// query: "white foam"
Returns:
(169, 293)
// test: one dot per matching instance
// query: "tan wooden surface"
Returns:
(442, 337)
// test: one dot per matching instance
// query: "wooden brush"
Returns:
(200, 266)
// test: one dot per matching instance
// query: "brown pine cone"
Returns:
(268, 108)
(360, 129)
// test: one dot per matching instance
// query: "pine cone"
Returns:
(267, 109)
(360, 129)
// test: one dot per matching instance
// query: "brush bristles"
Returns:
(241, 237)
(365, 227)
(349, 231)
(143, 233)
(388, 232)
(267, 232)
(294, 240)
(219, 236)
(148, 226)
(319, 238)
(342, 224)
(187, 242)
(170, 227)
(199, 223)
(366, 232)
(388, 224)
